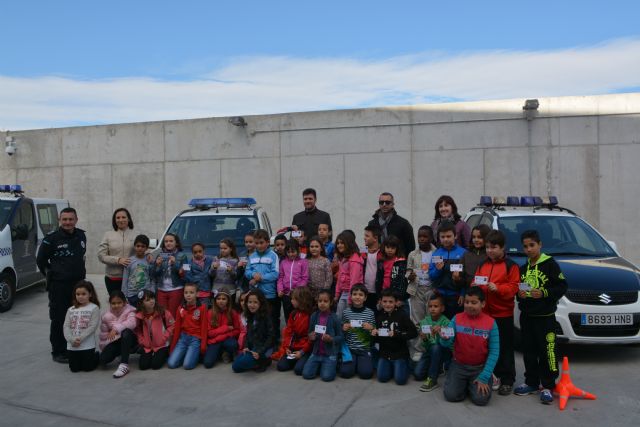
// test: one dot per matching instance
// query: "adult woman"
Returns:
(447, 210)
(116, 248)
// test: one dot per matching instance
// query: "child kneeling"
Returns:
(190, 333)
(258, 343)
(295, 348)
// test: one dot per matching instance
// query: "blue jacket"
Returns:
(168, 277)
(334, 329)
(201, 276)
(441, 279)
(267, 264)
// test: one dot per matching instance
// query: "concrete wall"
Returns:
(585, 150)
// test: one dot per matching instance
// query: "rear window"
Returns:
(6, 206)
(211, 229)
(48, 217)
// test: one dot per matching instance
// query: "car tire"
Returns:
(7, 292)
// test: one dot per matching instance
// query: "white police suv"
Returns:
(24, 222)
(601, 305)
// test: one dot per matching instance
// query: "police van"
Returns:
(24, 222)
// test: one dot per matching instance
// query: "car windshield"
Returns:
(211, 229)
(6, 206)
(560, 235)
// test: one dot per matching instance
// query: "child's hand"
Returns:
(230, 327)
(492, 287)
(246, 350)
(76, 342)
(229, 268)
(159, 261)
(257, 277)
(312, 336)
(367, 326)
(216, 264)
(374, 332)
(280, 294)
(181, 272)
(326, 338)
(536, 293)
(483, 388)
(124, 261)
(297, 354)
(346, 326)
(391, 333)
(460, 300)
(435, 330)
(522, 294)
(440, 265)
(255, 355)
(412, 276)
(423, 336)
(252, 282)
(172, 260)
(456, 276)
(112, 335)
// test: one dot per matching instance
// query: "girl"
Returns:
(258, 344)
(190, 333)
(295, 348)
(350, 268)
(166, 271)
(243, 282)
(224, 267)
(224, 329)
(154, 331)
(320, 276)
(198, 272)
(294, 273)
(392, 271)
(243, 320)
(325, 332)
(80, 325)
(472, 259)
(116, 333)
(447, 210)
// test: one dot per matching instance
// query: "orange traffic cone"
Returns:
(565, 388)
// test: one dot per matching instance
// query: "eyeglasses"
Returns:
(385, 202)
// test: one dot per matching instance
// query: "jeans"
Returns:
(460, 382)
(362, 364)
(343, 303)
(120, 347)
(285, 364)
(230, 345)
(431, 361)
(246, 362)
(185, 353)
(397, 368)
(325, 364)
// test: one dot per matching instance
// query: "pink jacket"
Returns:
(154, 333)
(293, 274)
(349, 273)
(126, 319)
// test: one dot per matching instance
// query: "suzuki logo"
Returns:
(605, 299)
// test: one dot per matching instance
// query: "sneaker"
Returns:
(123, 369)
(524, 390)
(495, 383)
(60, 358)
(429, 385)
(546, 397)
(226, 357)
(505, 390)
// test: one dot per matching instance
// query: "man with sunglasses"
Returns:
(391, 223)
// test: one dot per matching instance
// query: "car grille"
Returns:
(594, 297)
(604, 331)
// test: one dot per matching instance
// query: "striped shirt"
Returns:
(357, 338)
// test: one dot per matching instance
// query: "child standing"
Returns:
(223, 332)
(392, 271)
(190, 333)
(301, 239)
(320, 276)
(224, 267)
(295, 348)
(80, 325)
(153, 331)
(434, 354)
(473, 257)
(538, 306)
(325, 333)
(259, 341)
(166, 271)
(349, 270)
(135, 276)
(241, 281)
(418, 261)
(294, 273)
(324, 234)
(371, 259)
(198, 271)
(279, 244)
(116, 333)
(357, 323)
(440, 272)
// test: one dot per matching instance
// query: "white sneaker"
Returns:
(123, 369)
(496, 383)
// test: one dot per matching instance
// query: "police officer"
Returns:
(61, 259)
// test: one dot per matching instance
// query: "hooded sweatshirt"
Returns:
(118, 321)
(546, 276)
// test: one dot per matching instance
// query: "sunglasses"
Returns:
(385, 202)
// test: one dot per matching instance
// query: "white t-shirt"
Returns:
(79, 320)
(371, 271)
(423, 271)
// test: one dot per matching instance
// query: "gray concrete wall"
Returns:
(585, 150)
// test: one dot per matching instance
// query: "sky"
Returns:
(71, 63)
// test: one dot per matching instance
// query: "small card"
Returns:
(456, 267)
(481, 280)
(447, 332)
(186, 267)
(426, 329)
(223, 265)
(356, 323)
(291, 356)
(437, 259)
(524, 286)
(383, 332)
(243, 259)
(320, 329)
(296, 233)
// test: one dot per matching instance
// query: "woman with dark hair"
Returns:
(116, 247)
(447, 210)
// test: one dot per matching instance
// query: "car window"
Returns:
(487, 219)
(473, 220)
(6, 206)
(210, 229)
(47, 217)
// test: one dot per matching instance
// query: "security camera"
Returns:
(10, 146)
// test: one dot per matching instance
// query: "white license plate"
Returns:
(606, 319)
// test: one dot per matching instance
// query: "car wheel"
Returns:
(7, 292)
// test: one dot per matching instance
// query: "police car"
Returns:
(24, 222)
(601, 305)
(210, 220)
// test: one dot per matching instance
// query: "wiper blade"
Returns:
(573, 253)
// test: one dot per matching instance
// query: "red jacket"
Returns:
(154, 333)
(471, 345)
(506, 275)
(295, 336)
(224, 330)
(192, 320)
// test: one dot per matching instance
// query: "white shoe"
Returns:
(496, 383)
(123, 369)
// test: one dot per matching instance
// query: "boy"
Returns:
(501, 275)
(543, 285)
(324, 233)
(434, 355)
(357, 323)
(262, 272)
(242, 265)
(394, 329)
(135, 277)
(476, 345)
(419, 287)
(279, 243)
(440, 268)
(372, 257)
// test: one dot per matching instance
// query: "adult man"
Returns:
(311, 217)
(61, 259)
(391, 223)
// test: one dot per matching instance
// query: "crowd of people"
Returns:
(393, 310)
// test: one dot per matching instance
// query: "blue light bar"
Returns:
(553, 201)
(13, 188)
(513, 201)
(486, 201)
(16, 188)
(527, 201)
(537, 200)
(233, 202)
(5, 188)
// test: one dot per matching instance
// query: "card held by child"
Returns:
(447, 332)
(186, 267)
(437, 259)
(426, 329)
(456, 267)
(383, 332)
(356, 323)
(481, 280)
(320, 329)
(524, 287)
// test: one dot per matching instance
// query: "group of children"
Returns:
(347, 312)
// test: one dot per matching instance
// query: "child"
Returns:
(440, 272)
(258, 345)
(223, 269)
(392, 271)
(295, 348)
(502, 276)
(371, 258)
(278, 246)
(473, 258)
(326, 335)
(434, 354)
(447, 211)
(190, 332)
(324, 234)
(135, 276)
(294, 273)
(301, 239)
(394, 329)
(476, 345)
(166, 271)
(242, 302)
(224, 329)
(80, 325)
(349, 271)
(116, 333)
(537, 318)
(262, 272)
(198, 272)
(242, 281)
(153, 331)
(357, 323)
(320, 276)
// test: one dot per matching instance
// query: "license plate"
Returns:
(606, 319)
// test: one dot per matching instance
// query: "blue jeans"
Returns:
(362, 364)
(185, 353)
(325, 364)
(230, 345)
(397, 368)
(246, 362)
(431, 361)
(297, 365)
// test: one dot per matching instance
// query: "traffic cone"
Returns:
(565, 388)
